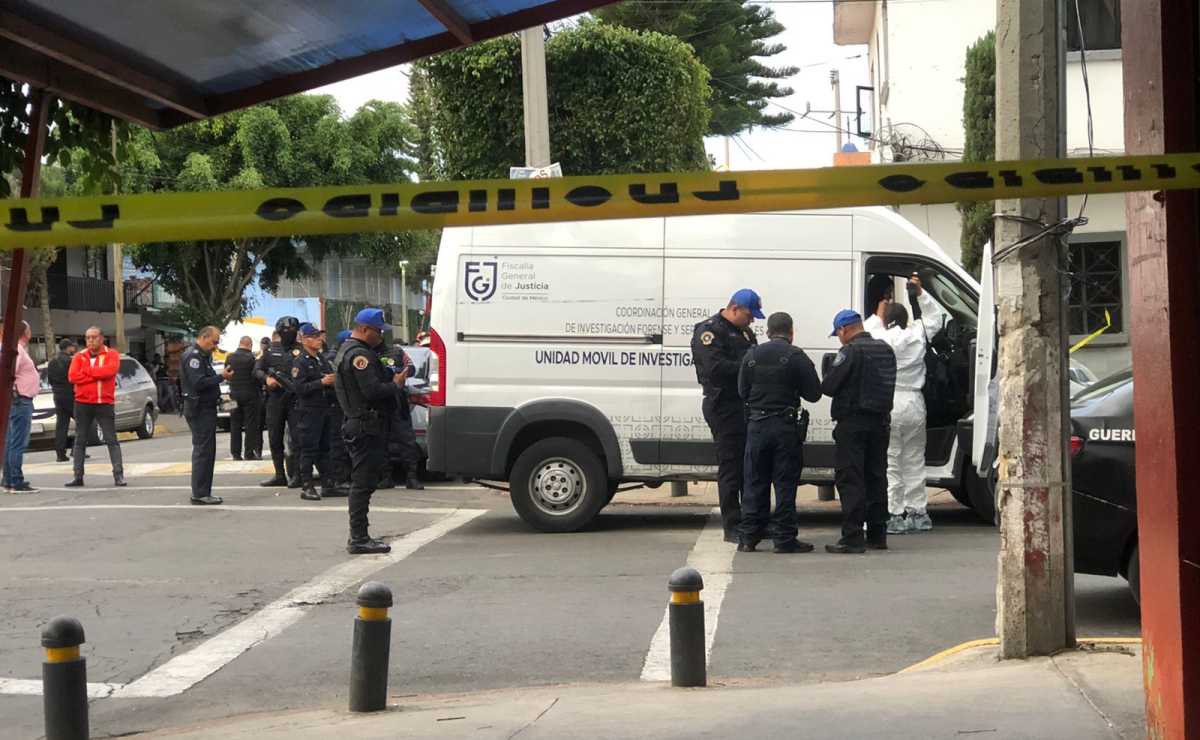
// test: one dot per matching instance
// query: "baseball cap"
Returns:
(308, 330)
(845, 317)
(343, 335)
(372, 317)
(747, 298)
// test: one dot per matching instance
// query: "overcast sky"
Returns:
(808, 143)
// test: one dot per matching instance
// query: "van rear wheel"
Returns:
(558, 485)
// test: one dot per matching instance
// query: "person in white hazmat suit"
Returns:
(907, 497)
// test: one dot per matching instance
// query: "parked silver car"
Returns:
(136, 403)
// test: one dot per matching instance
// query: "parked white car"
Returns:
(136, 403)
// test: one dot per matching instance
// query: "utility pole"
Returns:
(117, 270)
(404, 299)
(533, 87)
(835, 80)
(1035, 590)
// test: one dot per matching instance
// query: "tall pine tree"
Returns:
(730, 37)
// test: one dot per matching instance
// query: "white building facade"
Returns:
(914, 106)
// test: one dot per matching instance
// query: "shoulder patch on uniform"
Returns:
(361, 362)
(195, 363)
(295, 353)
(841, 357)
(706, 338)
(295, 372)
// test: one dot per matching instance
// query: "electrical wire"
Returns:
(1087, 93)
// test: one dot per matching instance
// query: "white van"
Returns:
(563, 350)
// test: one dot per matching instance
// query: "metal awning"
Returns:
(167, 62)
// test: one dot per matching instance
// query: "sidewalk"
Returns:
(1094, 692)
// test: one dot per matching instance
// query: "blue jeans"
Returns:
(19, 421)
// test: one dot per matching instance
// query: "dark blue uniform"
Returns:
(282, 422)
(314, 407)
(339, 458)
(402, 438)
(368, 397)
(201, 392)
(717, 350)
(774, 378)
(862, 382)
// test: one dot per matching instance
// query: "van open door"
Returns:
(984, 431)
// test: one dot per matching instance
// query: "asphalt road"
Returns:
(193, 614)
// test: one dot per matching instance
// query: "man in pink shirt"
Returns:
(26, 385)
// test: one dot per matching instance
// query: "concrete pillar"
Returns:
(1161, 59)
(533, 86)
(1034, 586)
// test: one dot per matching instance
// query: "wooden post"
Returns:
(1161, 58)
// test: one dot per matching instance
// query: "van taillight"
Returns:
(1076, 445)
(437, 369)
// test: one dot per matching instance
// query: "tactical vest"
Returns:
(771, 391)
(877, 377)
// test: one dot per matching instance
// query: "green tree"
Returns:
(86, 140)
(979, 123)
(730, 37)
(293, 142)
(619, 101)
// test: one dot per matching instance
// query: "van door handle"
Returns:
(654, 339)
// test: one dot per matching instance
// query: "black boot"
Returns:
(341, 490)
(277, 480)
(309, 493)
(385, 484)
(414, 483)
(366, 545)
(119, 480)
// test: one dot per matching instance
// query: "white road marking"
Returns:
(33, 687)
(184, 671)
(713, 557)
(238, 507)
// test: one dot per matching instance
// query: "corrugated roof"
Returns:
(166, 62)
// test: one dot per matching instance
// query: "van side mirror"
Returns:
(827, 363)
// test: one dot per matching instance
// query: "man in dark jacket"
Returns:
(246, 391)
(201, 394)
(64, 395)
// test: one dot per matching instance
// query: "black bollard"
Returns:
(372, 643)
(64, 681)
(687, 629)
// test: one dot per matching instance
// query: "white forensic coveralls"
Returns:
(906, 446)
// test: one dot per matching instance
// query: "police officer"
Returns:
(402, 439)
(367, 393)
(718, 344)
(312, 381)
(861, 380)
(774, 377)
(201, 393)
(339, 458)
(275, 370)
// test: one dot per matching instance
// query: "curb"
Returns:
(950, 652)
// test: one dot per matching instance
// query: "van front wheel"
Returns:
(558, 485)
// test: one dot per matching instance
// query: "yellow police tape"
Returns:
(1088, 339)
(398, 207)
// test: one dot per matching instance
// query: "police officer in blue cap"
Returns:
(312, 380)
(775, 376)
(718, 344)
(368, 393)
(861, 380)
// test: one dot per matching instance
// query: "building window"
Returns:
(1101, 24)
(1097, 285)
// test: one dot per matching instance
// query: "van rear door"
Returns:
(568, 311)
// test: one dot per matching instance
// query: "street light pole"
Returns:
(404, 299)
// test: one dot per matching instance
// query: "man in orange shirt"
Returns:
(93, 373)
